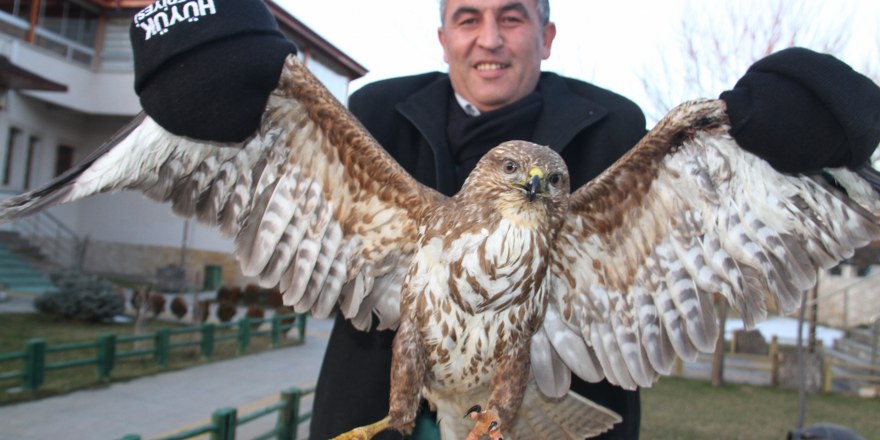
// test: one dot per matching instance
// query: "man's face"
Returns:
(494, 49)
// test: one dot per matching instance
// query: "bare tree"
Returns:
(718, 41)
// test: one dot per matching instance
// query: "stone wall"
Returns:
(139, 262)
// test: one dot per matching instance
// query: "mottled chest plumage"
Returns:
(477, 293)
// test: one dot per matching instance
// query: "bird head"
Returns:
(524, 181)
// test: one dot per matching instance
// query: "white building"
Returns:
(82, 48)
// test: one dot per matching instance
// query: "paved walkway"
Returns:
(166, 403)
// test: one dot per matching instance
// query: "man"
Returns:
(438, 126)
(210, 78)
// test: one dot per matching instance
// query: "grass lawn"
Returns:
(691, 409)
(15, 328)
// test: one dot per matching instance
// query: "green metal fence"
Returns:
(105, 348)
(225, 421)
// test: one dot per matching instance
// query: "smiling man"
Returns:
(494, 51)
(438, 126)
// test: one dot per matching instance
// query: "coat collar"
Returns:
(427, 111)
(564, 114)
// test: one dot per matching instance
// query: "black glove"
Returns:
(801, 111)
(205, 69)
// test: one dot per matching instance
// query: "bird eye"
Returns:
(509, 166)
(555, 179)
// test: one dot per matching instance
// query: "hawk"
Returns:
(504, 290)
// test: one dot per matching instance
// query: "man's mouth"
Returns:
(491, 66)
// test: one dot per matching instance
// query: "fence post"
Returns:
(207, 340)
(276, 330)
(106, 355)
(288, 417)
(244, 335)
(678, 367)
(224, 421)
(163, 345)
(774, 361)
(34, 364)
(301, 326)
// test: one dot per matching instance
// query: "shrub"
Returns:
(254, 312)
(286, 310)
(179, 307)
(157, 304)
(227, 293)
(226, 310)
(274, 298)
(82, 298)
(251, 294)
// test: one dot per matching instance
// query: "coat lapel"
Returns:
(427, 111)
(564, 115)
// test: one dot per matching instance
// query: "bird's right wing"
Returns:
(315, 205)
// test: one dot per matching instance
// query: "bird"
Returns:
(503, 291)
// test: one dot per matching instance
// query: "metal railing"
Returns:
(61, 247)
(225, 421)
(105, 350)
(69, 49)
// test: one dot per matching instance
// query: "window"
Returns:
(14, 134)
(69, 20)
(63, 159)
(67, 27)
(33, 144)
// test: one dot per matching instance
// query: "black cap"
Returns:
(205, 68)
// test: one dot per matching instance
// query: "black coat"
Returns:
(589, 126)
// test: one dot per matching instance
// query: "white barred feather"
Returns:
(730, 225)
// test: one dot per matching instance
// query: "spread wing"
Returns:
(686, 214)
(314, 204)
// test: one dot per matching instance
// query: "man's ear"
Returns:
(441, 35)
(549, 34)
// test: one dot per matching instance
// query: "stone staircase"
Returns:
(855, 350)
(19, 266)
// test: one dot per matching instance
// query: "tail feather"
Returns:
(571, 417)
(539, 418)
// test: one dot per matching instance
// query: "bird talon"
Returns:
(487, 423)
(366, 432)
(474, 409)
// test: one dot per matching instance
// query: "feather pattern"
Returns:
(684, 215)
(313, 203)
(514, 283)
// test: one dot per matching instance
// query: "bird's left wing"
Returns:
(686, 214)
(315, 205)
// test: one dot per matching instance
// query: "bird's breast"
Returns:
(475, 294)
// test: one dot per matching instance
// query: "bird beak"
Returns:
(533, 186)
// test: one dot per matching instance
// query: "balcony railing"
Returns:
(67, 48)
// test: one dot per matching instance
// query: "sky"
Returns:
(607, 43)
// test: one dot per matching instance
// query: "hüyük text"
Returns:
(160, 16)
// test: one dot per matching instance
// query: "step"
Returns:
(853, 348)
(862, 335)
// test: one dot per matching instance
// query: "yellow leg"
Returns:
(366, 432)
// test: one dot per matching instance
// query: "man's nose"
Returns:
(490, 35)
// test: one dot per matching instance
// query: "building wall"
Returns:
(129, 235)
